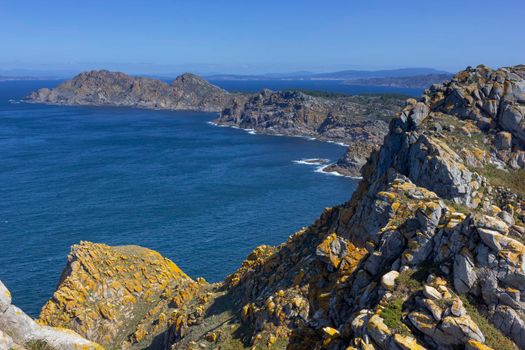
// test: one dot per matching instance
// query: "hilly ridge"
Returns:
(429, 253)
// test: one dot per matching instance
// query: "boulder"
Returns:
(503, 140)
(464, 274)
(5, 298)
(388, 281)
(18, 328)
(431, 293)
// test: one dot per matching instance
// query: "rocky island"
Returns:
(105, 88)
(429, 253)
(359, 120)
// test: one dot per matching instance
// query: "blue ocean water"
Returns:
(201, 195)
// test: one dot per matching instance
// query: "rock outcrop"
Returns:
(429, 253)
(187, 92)
(358, 121)
(19, 331)
(121, 297)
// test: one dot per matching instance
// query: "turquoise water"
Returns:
(201, 195)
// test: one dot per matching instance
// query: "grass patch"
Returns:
(512, 179)
(38, 345)
(409, 281)
(493, 336)
(462, 208)
(325, 94)
(392, 315)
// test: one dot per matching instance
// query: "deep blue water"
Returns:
(201, 195)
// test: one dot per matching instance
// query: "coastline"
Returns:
(319, 169)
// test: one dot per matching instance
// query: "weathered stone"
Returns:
(388, 281)
(510, 323)
(457, 308)
(378, 330)
(506, 217)
(5, 298)
(476, 345)
(18, 328)
(431, 292)
(407, 342)
(6, 342)
(464, 274)
(503, 140)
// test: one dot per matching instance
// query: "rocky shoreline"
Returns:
(360, 122)
(340, 119)
(428, 253)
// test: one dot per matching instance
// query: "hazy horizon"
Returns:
(171, 37)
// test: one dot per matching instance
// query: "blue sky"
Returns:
(260, 36)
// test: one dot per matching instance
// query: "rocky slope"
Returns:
(427, 254)
(359, 121)
(187, 92)
(19, 331)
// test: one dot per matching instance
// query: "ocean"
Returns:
(201, 195)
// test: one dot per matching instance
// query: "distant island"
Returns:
(411, 82)
(360, 122)
(339, 75)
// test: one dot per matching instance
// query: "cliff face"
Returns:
(428, 253)
(359, 121)
(187, 92)
(120, 297)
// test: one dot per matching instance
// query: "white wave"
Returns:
(14, 101)
(218, 125)
(338, 143)
(321, 169)
(311, 161)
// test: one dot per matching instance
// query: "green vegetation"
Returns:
(513, 179)
(409, 281)
(325, 94)
(462, 208)
(388, 95)
(38, 345)
(493, 336)
(392, 315)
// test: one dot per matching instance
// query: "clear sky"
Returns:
(260, 36)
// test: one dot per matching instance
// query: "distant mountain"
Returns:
(15, 78)
(340, 75)
(411, 82)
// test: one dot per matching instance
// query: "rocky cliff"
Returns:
(427, 254)
(359, 121)
(187, 92)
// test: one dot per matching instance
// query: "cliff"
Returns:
(187, 92)
(359, 121)
(427, 254)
